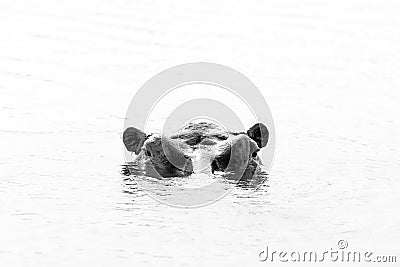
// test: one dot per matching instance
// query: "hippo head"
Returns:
(174, 155)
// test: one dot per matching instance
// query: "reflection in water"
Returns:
(137, 182)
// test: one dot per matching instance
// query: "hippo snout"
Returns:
(167, 156)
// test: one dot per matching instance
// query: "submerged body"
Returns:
(199, 147)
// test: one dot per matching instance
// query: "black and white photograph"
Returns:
(199, 133)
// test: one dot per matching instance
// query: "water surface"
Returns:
(329, 71)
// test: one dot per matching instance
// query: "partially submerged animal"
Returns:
(199, 147)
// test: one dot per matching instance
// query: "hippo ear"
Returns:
(259, 133)
(133, 139)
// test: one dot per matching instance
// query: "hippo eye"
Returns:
(148, 153)
(254, 154)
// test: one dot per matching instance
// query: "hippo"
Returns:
(199, 147)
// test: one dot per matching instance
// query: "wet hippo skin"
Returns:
(176, 155)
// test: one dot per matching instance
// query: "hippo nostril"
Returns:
(254, 154)
(148, 153)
